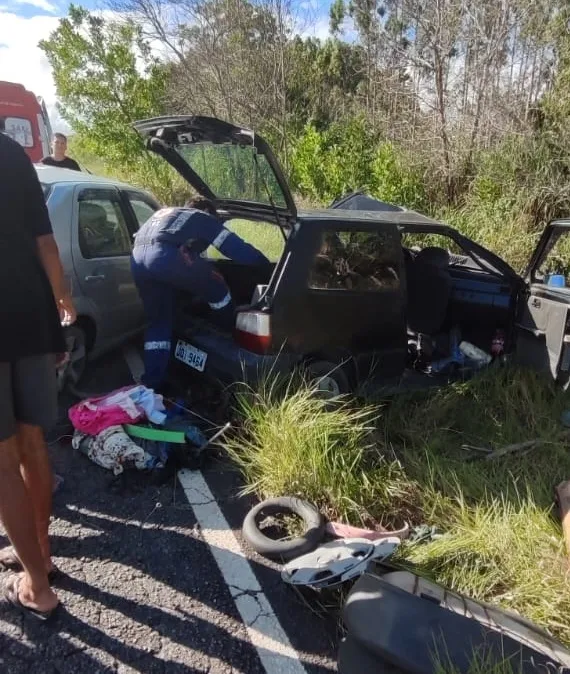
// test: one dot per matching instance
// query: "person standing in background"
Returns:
(58, 156)
(34, 304)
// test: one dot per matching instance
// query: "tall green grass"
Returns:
(402, 459)
(482, 662)
(299, 445)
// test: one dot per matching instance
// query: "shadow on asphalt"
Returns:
(107, 541)
(141, 590)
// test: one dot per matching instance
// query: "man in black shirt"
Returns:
(34, 303)
(58, 155)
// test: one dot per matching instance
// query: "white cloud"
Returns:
(22, 61)
(40, 4)
(320, 28)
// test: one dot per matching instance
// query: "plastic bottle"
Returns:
(475, 354)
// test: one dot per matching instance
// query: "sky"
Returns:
(23, 23)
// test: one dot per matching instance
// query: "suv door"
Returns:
(101, 251)
(543, 327)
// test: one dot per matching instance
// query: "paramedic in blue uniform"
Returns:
(167, 257)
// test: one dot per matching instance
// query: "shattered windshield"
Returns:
(235, 173)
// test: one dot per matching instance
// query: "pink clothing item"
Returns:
(127, 405)
(341, 530)
(93, 416)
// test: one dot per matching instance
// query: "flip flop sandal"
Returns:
(9, 561)
(11, 595)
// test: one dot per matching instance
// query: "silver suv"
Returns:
(94, 220)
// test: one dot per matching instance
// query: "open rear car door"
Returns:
(230, 165)
(543, 327)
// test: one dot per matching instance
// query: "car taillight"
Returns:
(253, 331)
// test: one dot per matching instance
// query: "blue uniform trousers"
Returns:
(160, 270)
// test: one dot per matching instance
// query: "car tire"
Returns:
(284, 550)
(329, 379)
(73, 370)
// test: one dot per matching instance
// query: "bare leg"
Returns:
(38, 478)
(17, 515)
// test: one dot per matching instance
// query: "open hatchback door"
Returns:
(543, 339)
(230, 165)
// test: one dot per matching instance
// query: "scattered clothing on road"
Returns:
(125, 406)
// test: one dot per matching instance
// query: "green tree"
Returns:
(106, 78)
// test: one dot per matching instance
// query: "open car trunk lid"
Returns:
(228, 164)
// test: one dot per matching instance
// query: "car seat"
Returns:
(429, 290)
(97, 235)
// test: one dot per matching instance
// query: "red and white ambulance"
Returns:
(25, 119)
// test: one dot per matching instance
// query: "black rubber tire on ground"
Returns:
(332, 376)
(74, 370)
(284, 550)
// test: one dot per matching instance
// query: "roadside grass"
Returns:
(401, 459)
(502, 540)
(481, 663)
(294, 443)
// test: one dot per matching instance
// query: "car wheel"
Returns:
(329, 379)
(72, 371)
(284, 550)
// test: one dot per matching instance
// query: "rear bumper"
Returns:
(227, 361)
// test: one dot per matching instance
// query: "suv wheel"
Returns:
(329, 379)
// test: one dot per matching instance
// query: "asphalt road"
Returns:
(145, 585)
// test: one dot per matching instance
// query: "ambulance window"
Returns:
(20, 130)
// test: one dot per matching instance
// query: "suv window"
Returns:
(357, 261)
(234, 172)
(103, 231)
(142, 208)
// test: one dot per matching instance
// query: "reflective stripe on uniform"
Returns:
(157, 346)
(222, 236)
(222, 303)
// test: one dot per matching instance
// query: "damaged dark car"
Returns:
(361, 292)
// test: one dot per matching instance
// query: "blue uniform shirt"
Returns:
(196, 230)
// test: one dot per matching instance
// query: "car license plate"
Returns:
(190, 355)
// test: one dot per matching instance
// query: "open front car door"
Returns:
(543, 327)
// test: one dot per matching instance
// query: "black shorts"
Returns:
(28, 394)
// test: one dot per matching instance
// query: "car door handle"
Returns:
(95, 277)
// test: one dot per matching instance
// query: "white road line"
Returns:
(270, 640)
(264, 629)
